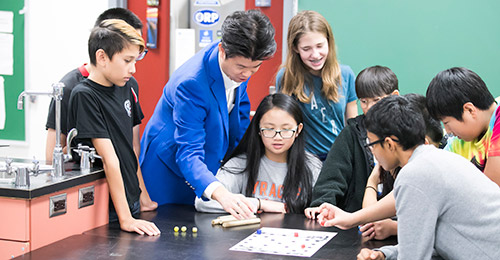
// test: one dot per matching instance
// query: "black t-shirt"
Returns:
(70, 80)
(97, 111)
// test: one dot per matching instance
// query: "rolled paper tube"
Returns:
(221, 220)
(224, 219)
(241, 222)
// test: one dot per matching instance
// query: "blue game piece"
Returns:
(259, 231)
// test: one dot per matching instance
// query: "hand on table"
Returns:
(333, 216)
(380, 229)
(367, 254)
(235, 204)
(139, 226)
(311, 212)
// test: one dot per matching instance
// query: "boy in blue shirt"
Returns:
(103, 110)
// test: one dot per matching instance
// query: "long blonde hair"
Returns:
(296, 73)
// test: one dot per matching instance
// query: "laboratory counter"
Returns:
(209, 242)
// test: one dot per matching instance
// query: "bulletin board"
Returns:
(416, 39)
(12, 126)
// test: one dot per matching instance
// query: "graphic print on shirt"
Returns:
(323, 111)
(128, 107)
(478, 151)
(263, 189)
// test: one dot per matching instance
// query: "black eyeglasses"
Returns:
(142, 55)
(381, 140)
(284, 133)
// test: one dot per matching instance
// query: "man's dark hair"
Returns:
(452, 88)
(376, 81)
(122, 14)
(397, 116)
(248, 34)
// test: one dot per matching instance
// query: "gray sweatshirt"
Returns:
(446, 209)
(268, 185)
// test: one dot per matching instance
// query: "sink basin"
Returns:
(9, 178)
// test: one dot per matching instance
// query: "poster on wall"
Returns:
(6, 43)
(152, 25)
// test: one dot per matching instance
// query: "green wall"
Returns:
(416, 39)
(14, 84)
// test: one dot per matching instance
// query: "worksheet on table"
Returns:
(283, 241)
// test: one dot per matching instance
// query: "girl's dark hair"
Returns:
(433, 128)
(298, 179)
(387, 179)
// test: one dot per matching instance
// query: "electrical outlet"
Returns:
(86, 196)
(57, 205)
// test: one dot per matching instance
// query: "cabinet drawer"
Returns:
(14, 220)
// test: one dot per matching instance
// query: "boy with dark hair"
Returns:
(72, 78)
(439, 195)
(103, 110)
(342, 180)
(203, 113)
(122, 14)
(460, 99)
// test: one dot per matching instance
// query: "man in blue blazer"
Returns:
(203, 113)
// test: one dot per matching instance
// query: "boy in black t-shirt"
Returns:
(72, 78)
(103, 110)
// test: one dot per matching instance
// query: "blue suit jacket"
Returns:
(191, 131)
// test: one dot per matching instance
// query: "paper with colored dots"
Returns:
(284, 241)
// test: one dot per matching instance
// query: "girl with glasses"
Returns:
(269, 170)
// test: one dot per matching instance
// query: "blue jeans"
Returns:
(135, 210)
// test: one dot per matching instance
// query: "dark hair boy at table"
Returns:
(440, 196)
(103, 109)
(342, 180)
(460, 99)
(388, 227)
(270, 166)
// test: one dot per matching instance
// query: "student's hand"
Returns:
(146, 203)
(235, 204)
(380, 229)
(139, 226)
(272, 206)
(333, 216)
(374, 178)
(311, 212)
(367, 254)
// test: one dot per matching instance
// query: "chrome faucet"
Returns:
(58, 158)
(87, 157)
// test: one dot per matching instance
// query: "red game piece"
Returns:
(303, 246)
(296, 234)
